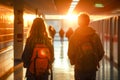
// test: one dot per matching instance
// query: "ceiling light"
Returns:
(99, 5)
(76, 0)
(73, 5)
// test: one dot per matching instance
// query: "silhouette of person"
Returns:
(76, 55)
(69, 33)
(61, 34)
(37, 34)
(52, 31)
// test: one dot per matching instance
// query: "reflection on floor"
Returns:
(62, 69)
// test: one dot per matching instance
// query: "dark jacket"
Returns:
(61, 33)
(78, 36)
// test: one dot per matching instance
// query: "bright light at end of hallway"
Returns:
(29, 17)
(71, 17)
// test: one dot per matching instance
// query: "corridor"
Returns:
(62, 70)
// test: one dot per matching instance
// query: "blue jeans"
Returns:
(79, 75)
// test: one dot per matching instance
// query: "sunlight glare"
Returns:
(11, 17)
(71, 17)
(28, 19)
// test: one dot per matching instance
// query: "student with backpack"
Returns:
(52, 31)
(69, 33)
(85, 50)
(61, 34)
(38, 54)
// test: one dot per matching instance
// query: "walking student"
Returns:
(61, 34)
(38, 54)
(69, 33)
(52, 31)
(85, 50)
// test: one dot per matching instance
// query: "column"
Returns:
(18, 38)
(18, 28)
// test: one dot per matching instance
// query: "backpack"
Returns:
(87, 54)
(40, 59)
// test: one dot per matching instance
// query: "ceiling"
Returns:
(50, 7)
(61, 7)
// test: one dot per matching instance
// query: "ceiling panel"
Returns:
(62, 6)
(89, 6)
(43, 6)
(50, 6)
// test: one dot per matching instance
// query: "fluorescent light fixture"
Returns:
(73, 5)
(76, 0)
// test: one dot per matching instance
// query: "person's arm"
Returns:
(52, 54)
(72, 50)
(26, 56)
(51, 48)
(100, 49)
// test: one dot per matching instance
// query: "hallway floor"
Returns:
(62, 70)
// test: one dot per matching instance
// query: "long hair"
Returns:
(38, 29)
